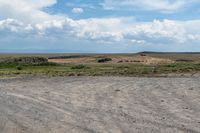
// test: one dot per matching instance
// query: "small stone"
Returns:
(162, 101)
(191, 88)
(185, 108)
(163, 118)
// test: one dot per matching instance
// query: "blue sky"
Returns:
(94, 9)
(99, 26)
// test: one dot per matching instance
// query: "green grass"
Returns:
(53, 69)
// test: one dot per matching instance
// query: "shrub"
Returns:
(78, 67)
(143, 55)
(19, 67)
(102, 60)
(171, 65)
(47, 64)
(184, 60)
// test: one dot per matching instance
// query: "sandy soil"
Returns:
(99, 105)
(82, 60)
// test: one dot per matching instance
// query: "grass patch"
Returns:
(47, 64)
(55, 69)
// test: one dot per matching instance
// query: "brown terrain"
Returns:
(37, 104)
(135, 59)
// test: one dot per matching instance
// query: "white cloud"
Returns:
(11, 25)
(28, 11)
(77, 10)
(88, 6)
(122, 29)
(26, 18)
(110, 30)
(165, 6)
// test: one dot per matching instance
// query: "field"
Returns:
(100, 93)
(141, 64)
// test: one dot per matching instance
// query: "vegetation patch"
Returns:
(102, 60)
(40, 66)
(19, 67)
(184, 60)
(80, 66)
(27, 60)
(68, 57)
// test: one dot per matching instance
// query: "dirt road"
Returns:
(99, 105)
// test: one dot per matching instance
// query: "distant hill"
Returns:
(151, 52)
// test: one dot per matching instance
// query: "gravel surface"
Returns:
(99, 105)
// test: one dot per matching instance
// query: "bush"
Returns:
(47, 64)
(19, 67)
(171, 65)
(184, 60)
(102, 60)
(78, 67)
(143, 55)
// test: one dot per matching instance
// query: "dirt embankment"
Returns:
(99, 105)
(27, 60)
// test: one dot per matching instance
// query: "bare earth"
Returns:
(136, 59)
(99, 105)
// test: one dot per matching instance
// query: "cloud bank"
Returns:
(108, 30)
(26, 18)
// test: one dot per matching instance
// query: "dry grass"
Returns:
(74, 60)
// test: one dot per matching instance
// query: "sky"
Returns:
(99, 26)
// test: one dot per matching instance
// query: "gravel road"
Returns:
(99, 105)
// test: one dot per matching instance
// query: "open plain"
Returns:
(99, 105)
